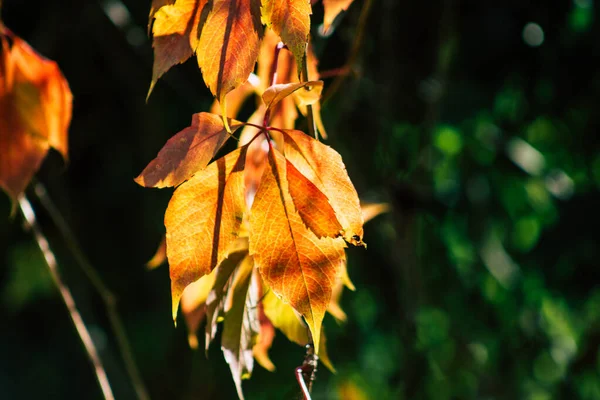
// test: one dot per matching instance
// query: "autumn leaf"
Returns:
(297, 265)
(290, 19)
(288, 321)
(203, 220)
(311, 92)
(154, 7)
(312, 205)
(332, 9)
(266, 334)
(160, 257)
(229, 44)
(193, 304)
(239, 332)
(323, 166)
(187, 152)
(175, 33)
(35, 111)
(214, 301)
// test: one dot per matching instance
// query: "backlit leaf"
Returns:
(332, 9)
(35, 111)
(193, 304)
(160, 257)
(175, 32)
(285, 318)
(312, 205)
(264, 341)
(238, 331)
(323, 166)
(311, 92)
(290, 19)
(299, 267)
(187, 152)
(214, 301)
(229, 44)
(203, 221)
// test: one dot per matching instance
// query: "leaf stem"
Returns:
(108, 298)
(273, 79)
(310, 117)
(67, 297)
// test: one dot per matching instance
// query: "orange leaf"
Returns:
(160, 256)
(323, 166)
(332, 9)
(203, 221)
(229, 44)
(371, 210)
(35, 111)
(187, 152)
(297, 265)
(175, 33)
(310, 94)
(290, 19)
(238, 330)
(193, 302)
(265, 339)
(312, 204)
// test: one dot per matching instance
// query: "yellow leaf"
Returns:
(290, 19)
(203, 221)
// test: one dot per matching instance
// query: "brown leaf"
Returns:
(203, 221)
(239, 333)
(229, 44)
(297, 265)
(35, 111)
(290, 19)
(312, 205)
(175, 32)
(332, 9)
(310, 92)
(323, 166)
(187, 152)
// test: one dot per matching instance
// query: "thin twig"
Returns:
(358, 41)
(107, 296)
(310, 118)
(306, 373)
(67, 297)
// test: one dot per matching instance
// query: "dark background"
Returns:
(482, 283)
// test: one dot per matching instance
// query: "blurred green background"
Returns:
(477, 122)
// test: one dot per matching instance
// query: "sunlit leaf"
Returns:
(175, 32)
(290, 19)
(229, 44)
(298, 267)
(323, 166)
(332, 9)
(187, 152)
(193, 302)
(35, 111)
(160, 257)
(312, 205)
(311, 92)
(214, 301)
(238, 333)
(203, 221)
(264, 341)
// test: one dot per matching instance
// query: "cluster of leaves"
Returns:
(35, 111)
(257, 237)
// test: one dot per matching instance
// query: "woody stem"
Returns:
(312, 128)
